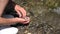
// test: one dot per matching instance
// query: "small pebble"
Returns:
(28, 33)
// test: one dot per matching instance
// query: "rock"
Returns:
(57, 10)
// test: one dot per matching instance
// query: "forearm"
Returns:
(4, 21)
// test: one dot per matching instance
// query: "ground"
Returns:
(44, 20)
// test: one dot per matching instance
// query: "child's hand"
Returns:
(23, 20)
(20, 11)
(27, 20)
(22, 14)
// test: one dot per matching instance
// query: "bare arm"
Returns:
(3, 3)
(3, 21)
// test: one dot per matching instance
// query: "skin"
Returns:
(20, 9)
(4, 21)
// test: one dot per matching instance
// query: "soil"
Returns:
(44, 17)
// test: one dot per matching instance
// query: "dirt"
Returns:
(44, 20)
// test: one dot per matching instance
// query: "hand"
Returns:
(20, 11)
(24, 20)
(27, 20)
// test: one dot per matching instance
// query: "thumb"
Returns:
(21, 19)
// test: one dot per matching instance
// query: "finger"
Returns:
(18, 12)
(27, 18)
(23, 12)
(21, 19)
(26, 22)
